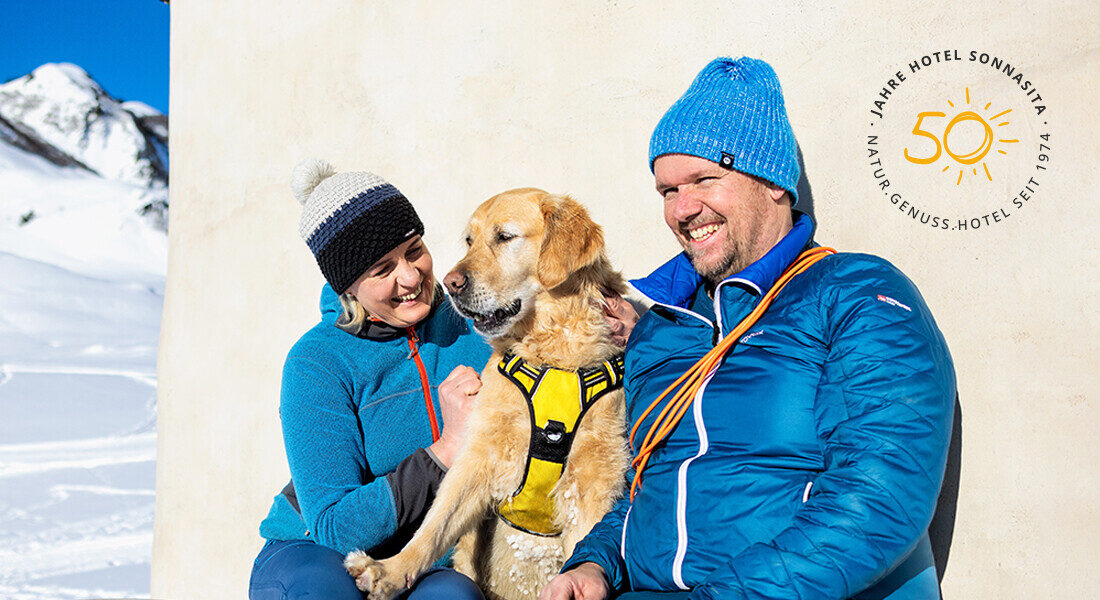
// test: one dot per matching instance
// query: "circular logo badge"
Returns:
(959, 140)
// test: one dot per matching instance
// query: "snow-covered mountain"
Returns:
(83, 176)
(60, 106)
(83, 249)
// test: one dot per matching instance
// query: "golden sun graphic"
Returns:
(971, 159)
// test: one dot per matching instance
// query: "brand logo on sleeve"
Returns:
(892, 302)
(750, 336)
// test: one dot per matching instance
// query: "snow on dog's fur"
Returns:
(532, 281)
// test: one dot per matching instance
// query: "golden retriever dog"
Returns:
(532, 282)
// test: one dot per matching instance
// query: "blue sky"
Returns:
(122, 44)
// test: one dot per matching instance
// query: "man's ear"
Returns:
(570, 240)
(774, 191)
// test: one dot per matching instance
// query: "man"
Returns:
(809, 463)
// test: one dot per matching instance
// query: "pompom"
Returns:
(308, 175)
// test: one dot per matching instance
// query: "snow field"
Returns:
(81, 290)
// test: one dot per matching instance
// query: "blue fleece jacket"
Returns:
(810, 463)
(353, 412)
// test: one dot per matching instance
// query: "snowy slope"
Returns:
(79, 220)
(81, 289)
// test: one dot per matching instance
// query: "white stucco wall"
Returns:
(454, 102)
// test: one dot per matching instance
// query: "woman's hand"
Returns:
(457, 394)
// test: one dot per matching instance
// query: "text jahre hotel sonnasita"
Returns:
(1013, 73)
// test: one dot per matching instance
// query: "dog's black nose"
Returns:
(455, 282)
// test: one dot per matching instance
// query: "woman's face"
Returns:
(398, 289)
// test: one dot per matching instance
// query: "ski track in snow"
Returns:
(25, 459)
(106, 480)
(79, 547)
(147, 377)
(40, 592)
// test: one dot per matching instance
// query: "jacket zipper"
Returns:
(414, 353)
(681, 488)
(622, 541)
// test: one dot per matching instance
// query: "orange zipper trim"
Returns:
(414, 352)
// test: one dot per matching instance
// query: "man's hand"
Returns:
(586, 582)
(457, 395)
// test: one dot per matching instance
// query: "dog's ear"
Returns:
(570, 240)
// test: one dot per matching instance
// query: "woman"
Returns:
(362, 429)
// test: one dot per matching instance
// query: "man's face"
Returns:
(724, 219)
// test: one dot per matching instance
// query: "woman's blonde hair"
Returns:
(354, 315)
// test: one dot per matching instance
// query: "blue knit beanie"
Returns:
(350, 220)
(733, 114)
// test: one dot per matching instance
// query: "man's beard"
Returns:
(734, 258)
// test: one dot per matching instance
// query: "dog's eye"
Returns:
(469, 241)
(504, 236)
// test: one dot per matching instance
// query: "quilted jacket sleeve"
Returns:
(883, 412)
(601, 545)
(343, 505)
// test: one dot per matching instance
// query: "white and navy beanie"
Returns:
(350, 220)
(733, 114)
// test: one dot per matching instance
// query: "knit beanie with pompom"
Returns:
(350, 220)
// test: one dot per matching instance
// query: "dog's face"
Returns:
(519, 243)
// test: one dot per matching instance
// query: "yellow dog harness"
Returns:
(556, 401)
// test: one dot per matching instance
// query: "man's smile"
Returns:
(703, 232)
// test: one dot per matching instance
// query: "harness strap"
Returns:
(557, 400)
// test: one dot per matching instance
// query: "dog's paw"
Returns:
(373, 577)
(356, 562)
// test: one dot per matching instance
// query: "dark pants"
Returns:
(301, 569)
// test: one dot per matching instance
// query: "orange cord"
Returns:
(698, 374)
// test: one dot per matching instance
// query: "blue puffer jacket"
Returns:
(810, 463)
(353, 414)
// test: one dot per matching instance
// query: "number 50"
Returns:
(966, 159)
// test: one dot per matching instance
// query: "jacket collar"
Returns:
(675, 282)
